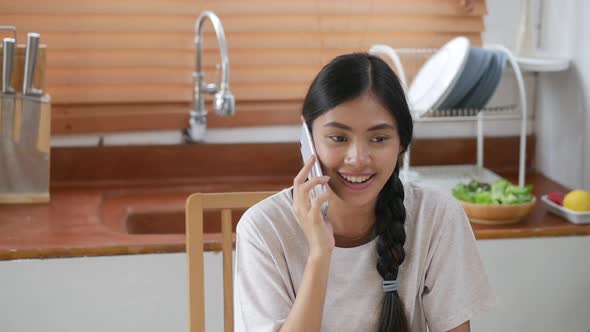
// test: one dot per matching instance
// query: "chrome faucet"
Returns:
(224, 102)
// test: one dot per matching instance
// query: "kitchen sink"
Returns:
(173, 222)
(161, 211)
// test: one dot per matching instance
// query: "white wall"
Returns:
(563, 123)
(583, 62)
(562, 114)
(538, 290)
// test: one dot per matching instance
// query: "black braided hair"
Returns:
(346, 78)
(391, 215)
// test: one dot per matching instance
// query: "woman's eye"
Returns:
(336, 138)
(379, 139)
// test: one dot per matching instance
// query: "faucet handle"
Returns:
(210, 88)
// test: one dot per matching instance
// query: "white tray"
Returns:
(572, 216)
(446, 177)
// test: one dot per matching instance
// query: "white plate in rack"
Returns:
(571, 216)
(438, 76)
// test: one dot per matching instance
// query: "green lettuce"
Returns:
(500, 192)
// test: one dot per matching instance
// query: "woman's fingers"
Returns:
(308, 186)
(304, 172)
(301, 187)
(317, 203)
(302, 193)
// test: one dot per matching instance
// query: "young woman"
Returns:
(388, 256)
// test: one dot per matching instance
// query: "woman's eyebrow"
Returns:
(381, 127)
(345, 127)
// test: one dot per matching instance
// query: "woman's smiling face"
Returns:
(358, 145)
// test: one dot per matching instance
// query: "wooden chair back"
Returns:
(196, 204)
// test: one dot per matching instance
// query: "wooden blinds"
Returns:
(127, 65)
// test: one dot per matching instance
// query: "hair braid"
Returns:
(391, 216)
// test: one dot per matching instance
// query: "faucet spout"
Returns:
(224, 101)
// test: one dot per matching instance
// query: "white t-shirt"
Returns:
(443, 281)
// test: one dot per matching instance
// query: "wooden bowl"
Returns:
(497, 214)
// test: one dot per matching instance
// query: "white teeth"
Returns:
(355, 179)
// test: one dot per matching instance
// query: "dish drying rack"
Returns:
(447, 176)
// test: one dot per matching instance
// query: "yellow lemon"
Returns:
(577, 200)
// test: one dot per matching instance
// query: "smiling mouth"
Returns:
(356, 179)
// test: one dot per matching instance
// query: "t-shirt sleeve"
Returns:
(456, 287)
(261, 293)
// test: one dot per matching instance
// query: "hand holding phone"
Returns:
(307, 150)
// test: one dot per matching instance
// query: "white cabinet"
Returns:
(144, 293)
(542, 284)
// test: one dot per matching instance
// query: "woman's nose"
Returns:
(357, 155)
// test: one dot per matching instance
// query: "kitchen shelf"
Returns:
(543, 64)
(447, 176)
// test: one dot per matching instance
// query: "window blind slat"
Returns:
(184, 59)
(116, 76)
(136, 93)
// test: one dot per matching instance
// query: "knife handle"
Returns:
(8, 45)
(31, 64)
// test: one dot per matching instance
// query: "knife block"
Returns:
(32, 164)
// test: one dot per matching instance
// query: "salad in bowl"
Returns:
(497, 203)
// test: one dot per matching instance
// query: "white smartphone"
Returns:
(307, 150)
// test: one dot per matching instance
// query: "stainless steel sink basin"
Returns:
(173, 222)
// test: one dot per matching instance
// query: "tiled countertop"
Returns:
(91, 221)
